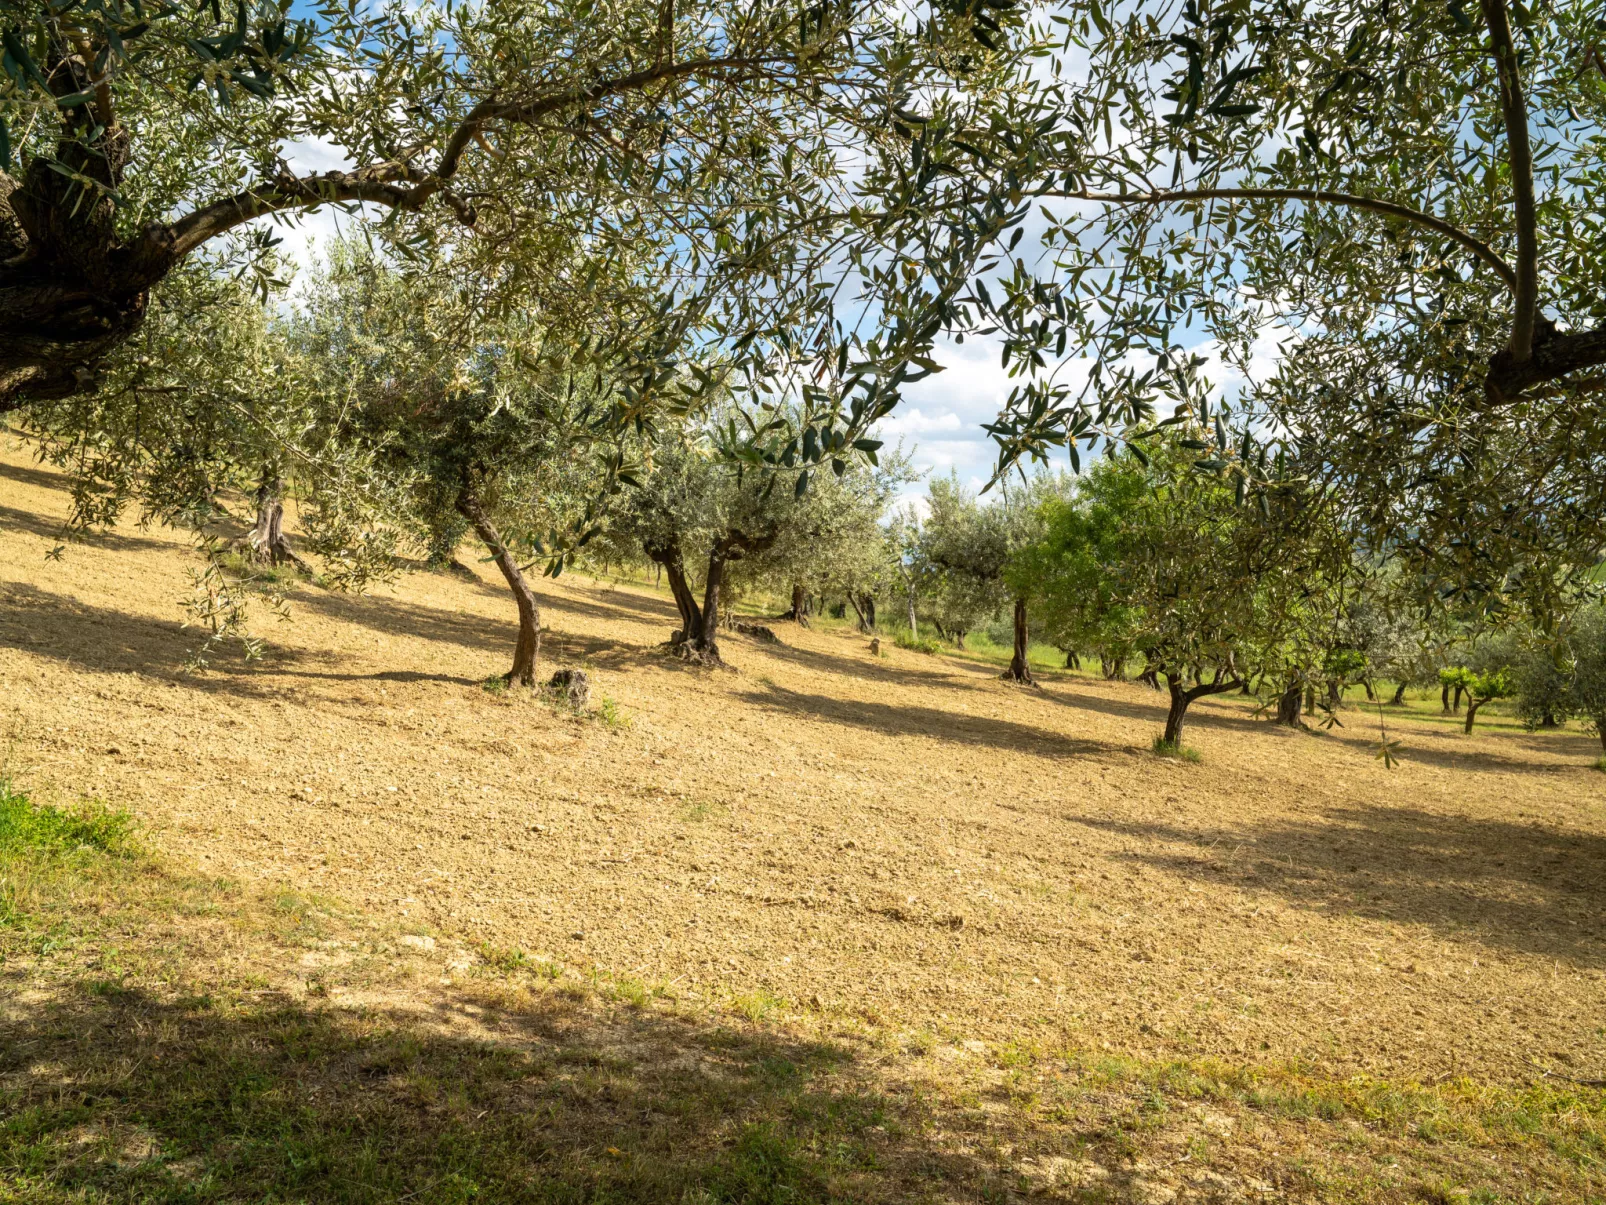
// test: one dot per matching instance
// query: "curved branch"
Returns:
(1405, 213)
(489, 111)
(401, 185)
(385, 184)
(1514, 113)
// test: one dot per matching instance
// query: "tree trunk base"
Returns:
(688, 651)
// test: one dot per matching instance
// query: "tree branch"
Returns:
(383, 184)
(1514, 111)
(491, 110)
(1405, 213)
(401, 185)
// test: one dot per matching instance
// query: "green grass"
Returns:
(41, 829)
(1167, 748)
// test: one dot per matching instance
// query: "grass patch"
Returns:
(929, 645)
(43, 829)
(1165, 748)
(611, 714)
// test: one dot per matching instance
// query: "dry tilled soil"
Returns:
(903, 839)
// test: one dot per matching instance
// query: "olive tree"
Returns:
(972, 546)
(489, 420)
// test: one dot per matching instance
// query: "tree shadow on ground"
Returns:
(110, 641)
(892, 720)
(939, 677)
(114, 1094)
(34, 475)
(13, 519)
(1523, 887)
(1448, 752)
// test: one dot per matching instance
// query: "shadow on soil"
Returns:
(1524, 887)
(891, 720)
(114, 1095)
(13, 519)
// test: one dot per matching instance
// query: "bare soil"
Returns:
(903, 839)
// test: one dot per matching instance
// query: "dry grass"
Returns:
(1043, 955)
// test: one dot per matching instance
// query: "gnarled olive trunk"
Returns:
(1020, 669)
(1183, 696)
(527, 652)
(697, 639)
(1288, 709)
(1399, 696)
(799, 614)
(267, 543)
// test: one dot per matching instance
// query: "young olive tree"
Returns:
(971, 547)
(694, 508)
(834, 540)
(488, 419)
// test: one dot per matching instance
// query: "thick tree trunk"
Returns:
(853, 601)
(1548, 720)
(1182, 698)
(1020, 669)
(1175, 715)
(800, 600)
(1455, 703)
(706, 642)
(914, 624)
(1600, 727)
(1399, 696)
(445, 533)
(1335, 696)
(1472, 712)
(1371, 694)
(959, 637)
(267, 542)
(527, 652)
(668, 558)
(869, 610)
(1072, 661)
(1288, 705)
(1444, 697)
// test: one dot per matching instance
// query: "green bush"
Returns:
(925, 644)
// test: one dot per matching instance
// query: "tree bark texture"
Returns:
(1183, 696)
(527, 652)
(267, 542)
(1020, 669)
(1288, 705)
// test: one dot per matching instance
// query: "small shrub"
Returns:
(1167, 748)
(929, 645)
(494, 686)
(25, 825)
(610, 714)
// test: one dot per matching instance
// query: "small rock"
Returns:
(572, 686)
(875, 647)
(577, 935)
(418, 943)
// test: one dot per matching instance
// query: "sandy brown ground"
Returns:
(906, 838)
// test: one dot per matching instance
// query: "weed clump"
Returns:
(1182, 752)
